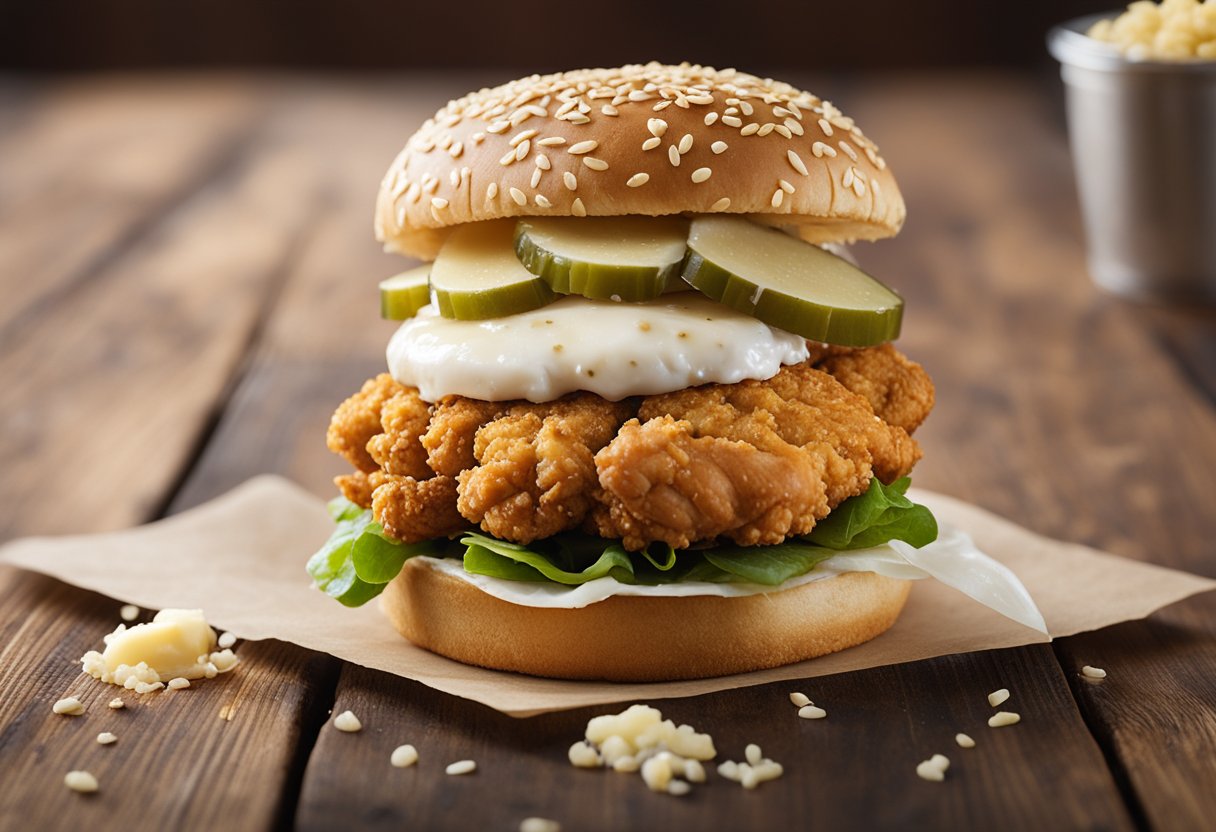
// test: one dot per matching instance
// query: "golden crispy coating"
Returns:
(898, 389)
(788, 449)
(357, 420)
(536, 473)
(754, 462)
(412, 510)
(397, 450)
(454, 424)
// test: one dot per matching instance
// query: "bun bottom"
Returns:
(630, 638)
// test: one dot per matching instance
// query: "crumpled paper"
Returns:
(241, 559)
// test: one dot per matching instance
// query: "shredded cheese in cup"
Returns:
(1174, 30)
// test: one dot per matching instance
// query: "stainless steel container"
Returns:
(1143, 137)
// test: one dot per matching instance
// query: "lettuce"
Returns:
(359, 558)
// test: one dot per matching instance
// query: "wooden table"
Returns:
(189, 280)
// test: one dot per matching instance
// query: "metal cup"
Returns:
(1143, 136)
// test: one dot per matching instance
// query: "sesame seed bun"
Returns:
(647, 140)
(635, 638)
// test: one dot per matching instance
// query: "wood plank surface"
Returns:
(236, 306)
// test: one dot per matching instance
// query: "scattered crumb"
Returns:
(80, 781)
(461, 767)
(179, 683)
(117, 704)
(964, 741)
(347, 722)
(106, 738)
(1091, 672)
(539, 825)
(800, 700)
(998, 697)
(71, 706)
(226, 640)
(1002, 718)
(811, 712)
(128, 612)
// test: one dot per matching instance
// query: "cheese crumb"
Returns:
(928, 771)
(347, 722)
(998, 697)
(964, 741)
(106, 738)
(117, 704)
(128, 612)
(800, 700)
(461, 767)
(404, 756)
(1091, 672)
(176, 643)
(80, 781)
(71, 706)
(812, 712)
(226, 640)
(179, 683)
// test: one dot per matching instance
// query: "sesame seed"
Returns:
(80, 781)
(347, 722)
(106, 738)
(455, 150)
(542, 161)
(570, 180)
(685, 144)
(403, 756)
(731, 111)
(521, 150)
(766, 128)
(439, 203)
(778, 197)
(128, 612)
(800, 700)
(651, 143)
(793, 126)
(1002, 718)
(1090, 672)
(701, 174)
(535, 180)
(718, 147)
(746, 108)
(657, 127)
(498, 126)
(71, 706)
(453, 177)
(479, 137)
(964, 741)
(721, 205)
(848, 149)
(552, 141)
(542, 201)
(518, 196)
(595, 164)
(732, 121)
(639, 95)
(847, 178)
(825, 127)
(820, 150)
(461, 767)
(796, 162)
(608, 110)
(750, 129)
(785, 186)
(807, 711)
(491, 191)
(859, 187)
(781, 112)
(661, 106)
(998, 697)
(710, 118)
(583, 147)
(577, 208)
(507, 158)
(673, 155)
(638, 180)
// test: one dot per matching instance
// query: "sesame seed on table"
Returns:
(215, 301)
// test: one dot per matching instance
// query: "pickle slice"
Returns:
(478, 276)
(604, 258)
(789, 284)
(402, 295)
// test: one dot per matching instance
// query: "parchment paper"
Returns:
(241, 559)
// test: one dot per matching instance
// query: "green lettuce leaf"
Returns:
(876, 517)
(359, 558)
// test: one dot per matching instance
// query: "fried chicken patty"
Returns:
(753, 462)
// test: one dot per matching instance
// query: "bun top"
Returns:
(650, 140)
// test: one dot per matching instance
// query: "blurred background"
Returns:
(775, 35)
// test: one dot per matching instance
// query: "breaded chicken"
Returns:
(753, 462)
(779, 453)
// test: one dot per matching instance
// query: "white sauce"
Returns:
(615, 350)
